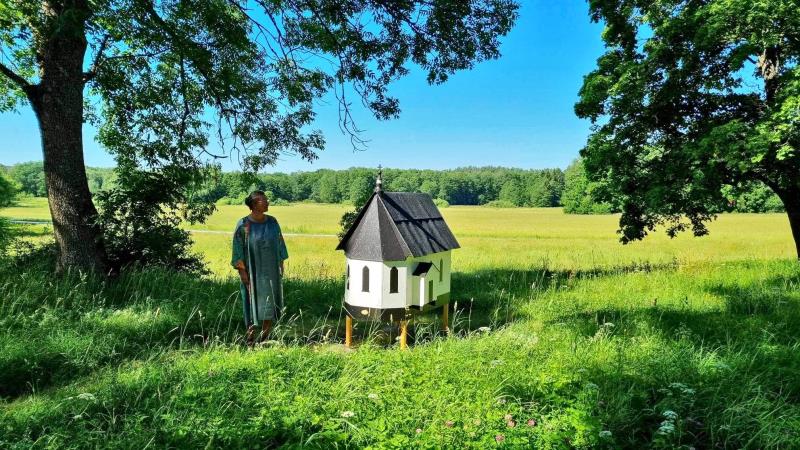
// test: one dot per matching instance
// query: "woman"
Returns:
(258, 255)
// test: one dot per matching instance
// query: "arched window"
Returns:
(365, 279)
(430, 290)
(347, 278)
(441, 270)
(393, 280)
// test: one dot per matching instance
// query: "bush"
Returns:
(501, 204)
(140, 219)
(8, 191)
(6, 237)
(441, 203)
(231, 201)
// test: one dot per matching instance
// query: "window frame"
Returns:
(365, 279)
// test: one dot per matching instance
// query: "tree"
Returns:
(30, 177)
(8, 191)
(689, 97)
(577, 196)
(512, 192)
(166, 75)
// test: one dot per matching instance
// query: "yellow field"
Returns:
(497, 238)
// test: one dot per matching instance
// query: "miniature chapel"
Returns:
(398, 260)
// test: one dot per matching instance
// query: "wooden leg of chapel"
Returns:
(445, 318)
(348, 331)
(403, 334)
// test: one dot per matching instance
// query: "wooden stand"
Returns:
(445, 318)
(348, 331)
(403, 334)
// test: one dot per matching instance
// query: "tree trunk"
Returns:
(794, 221)
(58, 104)
(791, 201)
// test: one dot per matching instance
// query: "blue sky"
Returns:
(513, 112)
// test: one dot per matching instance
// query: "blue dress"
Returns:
(261, 247)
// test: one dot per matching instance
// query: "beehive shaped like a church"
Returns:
(398, 253)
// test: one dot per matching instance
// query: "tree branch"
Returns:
(18, 80)
(96, 63)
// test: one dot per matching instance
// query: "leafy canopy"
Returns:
(691, 96)
(166, 76)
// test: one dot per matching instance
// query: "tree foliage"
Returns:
(692, 96)
(140, 218)
(8, 191)
(577, 197)
(165, 77)
(30, 178)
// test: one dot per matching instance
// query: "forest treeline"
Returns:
(491, 186)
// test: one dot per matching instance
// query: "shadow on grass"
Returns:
(721, 378)
(56, 329)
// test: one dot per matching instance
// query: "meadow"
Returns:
(561, 338)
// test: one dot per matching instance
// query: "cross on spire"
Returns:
(379, 180)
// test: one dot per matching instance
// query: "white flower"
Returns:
(666, 427)
(87, 396)
(484, 329)
(605, 434)
(670, 414)
(348, 414)
(372, 396)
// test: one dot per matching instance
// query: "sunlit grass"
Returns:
(561, 338)
(514, 237)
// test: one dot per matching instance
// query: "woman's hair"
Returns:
(251, 198)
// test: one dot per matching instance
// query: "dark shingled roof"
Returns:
(395, 225)
(422, 268)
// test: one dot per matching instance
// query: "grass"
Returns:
(561, 338)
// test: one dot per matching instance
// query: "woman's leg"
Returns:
(266, 326)
(251, 335)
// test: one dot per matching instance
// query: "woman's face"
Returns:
(260, 204)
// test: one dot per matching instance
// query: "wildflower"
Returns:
(449, 424)
(531, 422)
(87, 396)
(499, 438)
(666, 427)
(348, 414)
(501, 401)
(419, 430)
(372, 396)
(670, 414)
(605, 434)
(484, 329)
(511, 424)
(477, 422)
(508, 417)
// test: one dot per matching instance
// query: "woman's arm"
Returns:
(238, 254)
(282, 252)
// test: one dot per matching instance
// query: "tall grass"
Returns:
(553, 346)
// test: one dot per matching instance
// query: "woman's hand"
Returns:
(280, 267)
(242, 272)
